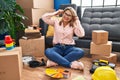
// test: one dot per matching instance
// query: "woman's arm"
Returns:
(78, 29)
(47, 17)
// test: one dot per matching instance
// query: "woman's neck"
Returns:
(65, 24)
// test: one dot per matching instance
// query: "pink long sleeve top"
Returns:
(63, 35)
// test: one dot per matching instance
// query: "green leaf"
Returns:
(19, 8)
(10, 19)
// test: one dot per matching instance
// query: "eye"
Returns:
(68, 14)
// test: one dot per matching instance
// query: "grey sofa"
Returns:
(96, 19)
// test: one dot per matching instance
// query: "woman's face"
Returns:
(67, 16)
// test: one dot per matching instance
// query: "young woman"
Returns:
(64, 52)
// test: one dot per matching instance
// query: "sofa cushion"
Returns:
(102, 19)
(50, 31)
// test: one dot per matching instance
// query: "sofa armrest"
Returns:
(44, 27)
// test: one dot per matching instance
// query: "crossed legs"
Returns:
(65, 56)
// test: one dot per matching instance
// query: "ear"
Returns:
(73, 19)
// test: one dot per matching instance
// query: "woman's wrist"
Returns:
(55, 13)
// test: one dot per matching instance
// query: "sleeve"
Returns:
(47, 18)
(78, 29)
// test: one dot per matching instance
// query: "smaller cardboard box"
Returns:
(34, 47)
(99, 36)
(36, 3)
(102, 49)
(111, 58)
(10, 64)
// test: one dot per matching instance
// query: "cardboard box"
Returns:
(111, 58)
(20, 58)
(34, 47)
(36, 3)
(31, 34)
(99, 36)
(102, 49)
(34, 14)
(10, 64)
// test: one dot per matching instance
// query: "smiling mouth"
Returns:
(65, 18)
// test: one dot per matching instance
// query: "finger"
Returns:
(61, 11)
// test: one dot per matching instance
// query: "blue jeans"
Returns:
(64, 54)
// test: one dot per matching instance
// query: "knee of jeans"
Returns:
(47, 52)
(82, 52)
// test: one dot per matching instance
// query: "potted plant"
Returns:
(11, 17)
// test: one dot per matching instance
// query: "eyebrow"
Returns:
(68, 14)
